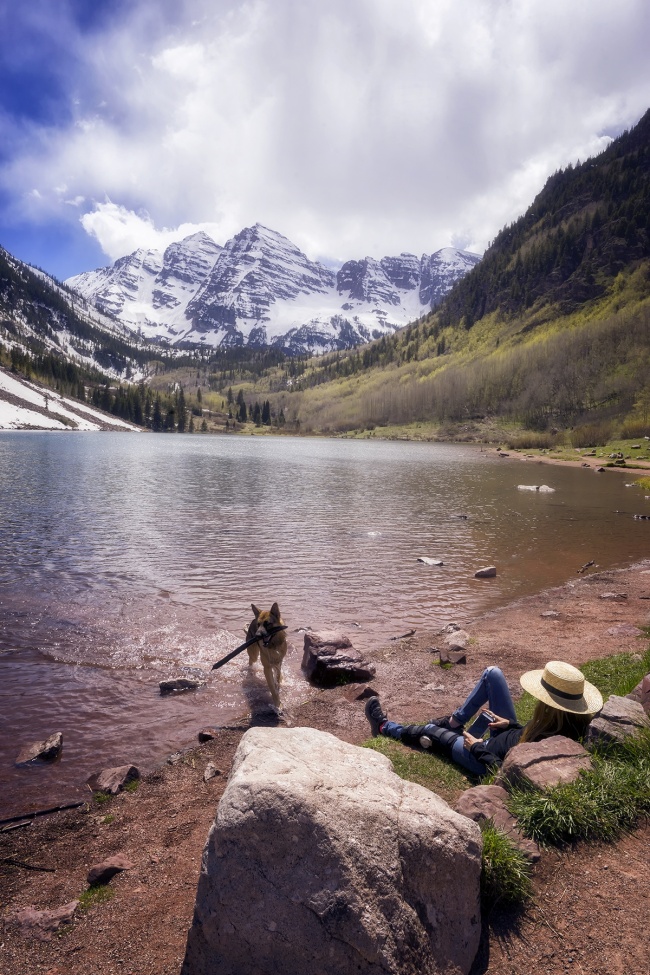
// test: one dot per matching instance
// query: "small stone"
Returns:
(178, 685)
(488, 572)
(544, 764)
(614, 596)
(41, 925)
(102, 872)
(453, 656)
(113, 780)
(550, 614)
(207, 734)
(211, 771)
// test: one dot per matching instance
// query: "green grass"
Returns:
(618, 674)
(505, 877)
(132, 786)
(431, 771)
(599, 806)
(643, 483)
(98, 894)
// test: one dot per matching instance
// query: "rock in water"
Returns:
(321, 859)
(329, 658)
(488, 572)
(47, 751)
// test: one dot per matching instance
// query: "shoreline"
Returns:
(162, 827)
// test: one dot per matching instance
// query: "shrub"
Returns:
(591, 434)
(634, 429)
(532, 441)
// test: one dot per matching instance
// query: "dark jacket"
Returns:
(493, 751)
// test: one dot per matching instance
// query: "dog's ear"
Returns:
(256, 611)
(275, 611)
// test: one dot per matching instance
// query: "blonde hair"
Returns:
(547, 721)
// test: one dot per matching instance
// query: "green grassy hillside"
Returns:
(550, 333)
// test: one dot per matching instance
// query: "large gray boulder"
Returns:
(322, 861)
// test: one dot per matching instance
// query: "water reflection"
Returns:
(124, 558)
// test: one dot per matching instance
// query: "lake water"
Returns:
(125, 559)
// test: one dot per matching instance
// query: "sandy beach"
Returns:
(590, 913)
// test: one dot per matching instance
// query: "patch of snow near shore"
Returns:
(17, 417)
(14, 416)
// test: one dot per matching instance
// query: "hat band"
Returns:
(565, 694)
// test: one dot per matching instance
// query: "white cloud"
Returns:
(354, 127)
(120, 231)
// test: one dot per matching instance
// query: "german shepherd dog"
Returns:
(271, 651)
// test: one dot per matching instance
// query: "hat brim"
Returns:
(591, 701)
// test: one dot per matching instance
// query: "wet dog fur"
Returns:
(273, 653)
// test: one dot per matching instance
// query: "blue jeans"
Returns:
(491, 690)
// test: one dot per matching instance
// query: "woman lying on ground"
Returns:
(566, 703)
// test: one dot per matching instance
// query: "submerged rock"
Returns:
(488, 572)
(46, 751)
(176, 685)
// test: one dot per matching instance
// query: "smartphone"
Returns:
(490, 714)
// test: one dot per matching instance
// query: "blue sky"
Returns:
(355, 127)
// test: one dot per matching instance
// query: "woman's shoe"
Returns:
(445, 722)
(375, 715)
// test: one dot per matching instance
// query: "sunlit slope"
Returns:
(550, 330)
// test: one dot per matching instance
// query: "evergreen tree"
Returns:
(181, 412)
(157, 421)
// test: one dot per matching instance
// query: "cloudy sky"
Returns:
(354, 127)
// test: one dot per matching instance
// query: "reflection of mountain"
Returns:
(260, 289)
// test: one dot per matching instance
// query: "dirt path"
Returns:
(591, 912)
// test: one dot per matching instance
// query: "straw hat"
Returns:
(563, 687)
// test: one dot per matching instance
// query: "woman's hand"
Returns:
(469, 740)
(496, 722)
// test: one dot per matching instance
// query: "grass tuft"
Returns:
(97, 894)
(505, 878)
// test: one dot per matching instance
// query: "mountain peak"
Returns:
(260, 288)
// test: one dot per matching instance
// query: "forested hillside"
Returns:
(551, 331)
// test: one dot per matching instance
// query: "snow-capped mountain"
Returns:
(39, 315)
(261, 289)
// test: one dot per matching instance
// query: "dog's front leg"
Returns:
(269, 673)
